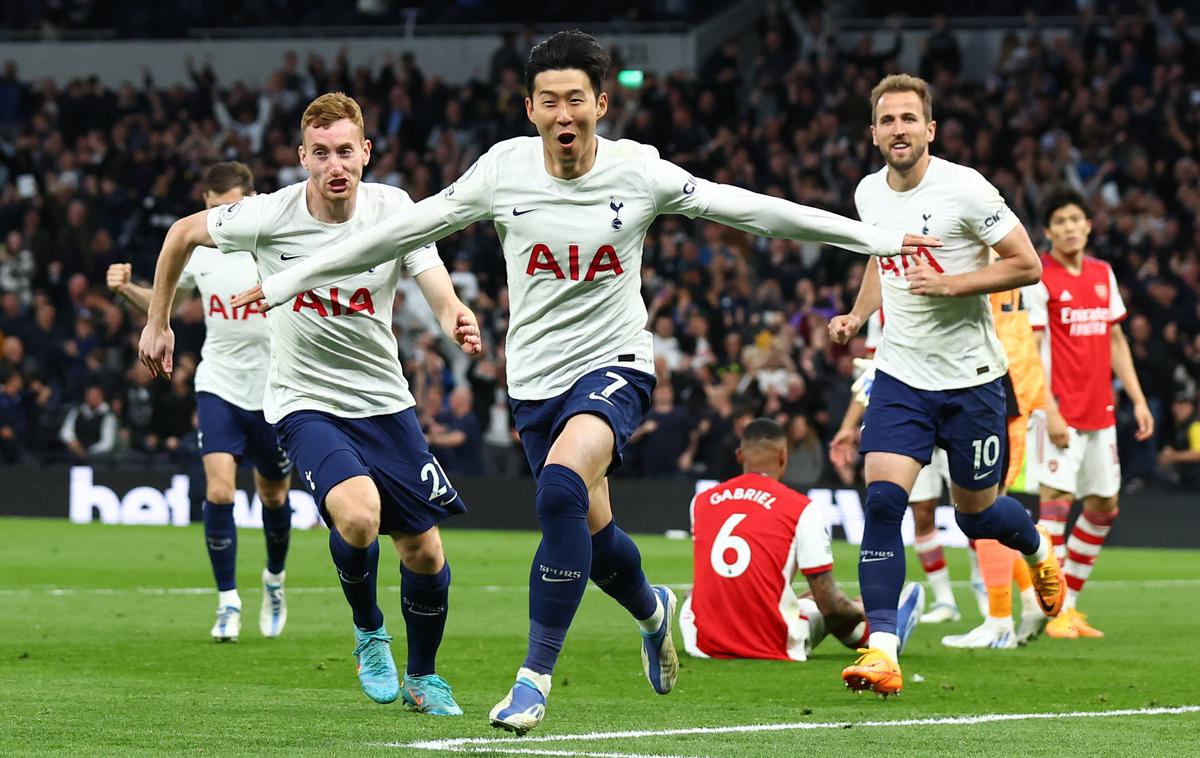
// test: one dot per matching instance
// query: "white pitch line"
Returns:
(461, 742)
(65, 591)
(578, 753)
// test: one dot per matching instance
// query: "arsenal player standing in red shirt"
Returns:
(751, 535)
(1077, 310)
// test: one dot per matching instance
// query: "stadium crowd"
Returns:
(91, 176)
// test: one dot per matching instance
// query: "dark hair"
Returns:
(764, 430)
(1060, 197)
(568, 50)
(222, 177)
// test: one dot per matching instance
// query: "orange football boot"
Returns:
(1048, 580)
(874, 671)
(1071, 624)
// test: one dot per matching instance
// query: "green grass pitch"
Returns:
(104, 649)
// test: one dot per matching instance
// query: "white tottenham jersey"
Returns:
(573, 249)
(332, 348)
(938, 343)
(237, 342)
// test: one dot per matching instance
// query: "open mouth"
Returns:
(339, 185)
(566, 139)
(899, 145)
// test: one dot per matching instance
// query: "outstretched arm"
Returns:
(411, 228)
(157, 346)
(1017, 266)
(769, 216)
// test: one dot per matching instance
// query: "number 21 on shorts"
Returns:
(441, 482)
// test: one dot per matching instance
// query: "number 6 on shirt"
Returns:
(727, 540)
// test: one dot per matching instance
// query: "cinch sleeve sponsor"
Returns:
(234, 227)
(982, 209)
(674, 190)
(469, 198)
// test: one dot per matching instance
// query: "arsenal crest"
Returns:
(1102, 291)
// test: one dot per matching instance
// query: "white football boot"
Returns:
(228, 625)
(993, 633)
(273, 615)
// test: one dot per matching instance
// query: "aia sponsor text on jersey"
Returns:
(542, 258)
(218, 309)
(889, 267)
(360, 300)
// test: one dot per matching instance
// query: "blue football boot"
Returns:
(376, 669)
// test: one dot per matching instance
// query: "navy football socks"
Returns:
(1005, 521)
(220, 535)
(881, 556)
(561, 564)
(357, 569)
(617, 569)
(277, 528)
(424, 602)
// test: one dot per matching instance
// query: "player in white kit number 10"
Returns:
(572, 210)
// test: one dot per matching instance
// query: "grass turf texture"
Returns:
(91, 664)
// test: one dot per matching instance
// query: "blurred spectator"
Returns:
(1179, 459)
(455, 436)
(89, 432)
(14, 417)
(806, 455)
(665, 441)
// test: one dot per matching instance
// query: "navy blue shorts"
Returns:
(226, 428)
(414, 492)
(620, 396)
(970, 424)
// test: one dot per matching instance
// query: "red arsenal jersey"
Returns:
(751, 535)
(1077, 310)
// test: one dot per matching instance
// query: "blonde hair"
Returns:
(903, 83)
(331, 107)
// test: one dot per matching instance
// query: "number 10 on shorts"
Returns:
(987, 452)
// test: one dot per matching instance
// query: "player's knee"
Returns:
(218, 490)
(969, 524)
(422, 554)
(886, 502)
(561, 493)
(273, 497)
(359, 526)
(923, 516)
(1101, 505)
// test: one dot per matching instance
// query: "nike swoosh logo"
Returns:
(522, 213)
(286, 257)
(602, 399)
(872, 560)
(564, 579)
(448, 500)
(984, 475)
